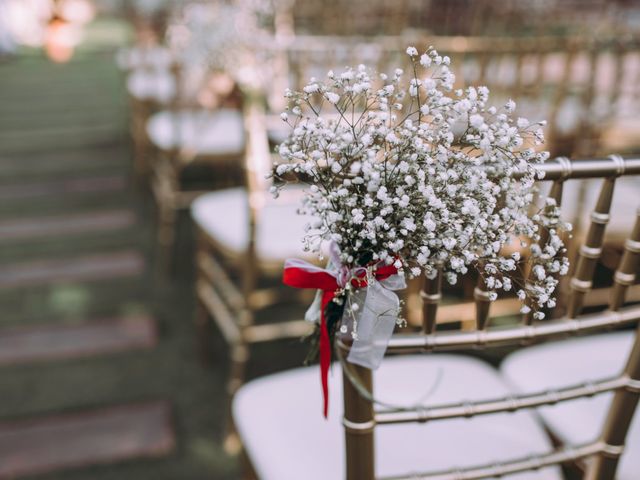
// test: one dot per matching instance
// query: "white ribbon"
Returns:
(374, 320)
(376, 314)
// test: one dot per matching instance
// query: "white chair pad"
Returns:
(280, 422)
(570, 362)
(208, 133)
(224, 216)
(157, 85)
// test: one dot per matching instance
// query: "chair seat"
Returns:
(199, 131)
(223, 215)
(570, 362)
(280, 422)
(156, 85)
(144, 57)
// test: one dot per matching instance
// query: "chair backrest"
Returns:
(347, 17)
(576, 84)
(518, 17)
(296, 59)
(361, 418)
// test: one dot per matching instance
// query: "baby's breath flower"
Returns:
(394, 183)
(332, 97)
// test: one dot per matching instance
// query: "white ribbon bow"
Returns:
(373, 320)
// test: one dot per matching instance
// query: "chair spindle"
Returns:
(591, 250)
(431, 295)
(482, 299)
(625, 276)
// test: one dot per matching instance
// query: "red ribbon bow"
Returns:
(300, 274)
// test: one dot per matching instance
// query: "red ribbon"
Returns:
(317, 278)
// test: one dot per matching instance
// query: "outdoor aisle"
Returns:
(99, 372)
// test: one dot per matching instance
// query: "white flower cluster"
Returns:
(423, 176)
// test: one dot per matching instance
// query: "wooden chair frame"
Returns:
(360, 417)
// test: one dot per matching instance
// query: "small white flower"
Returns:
(311, 88)
(332, 97)
(391, 182)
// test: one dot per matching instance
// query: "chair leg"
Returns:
(239, 356)
(203, 331)
(140, 160)
(166, 235)
(248, 472)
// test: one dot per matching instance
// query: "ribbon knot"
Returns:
(301, 274)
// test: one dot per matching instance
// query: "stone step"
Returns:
(98, 436)
(21, 141)
(33, 228)
(121, 264)
(46, 165)
(22, 344)
(92, 184)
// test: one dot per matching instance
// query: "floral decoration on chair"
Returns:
(411, 178)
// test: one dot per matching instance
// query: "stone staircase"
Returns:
(99, 374)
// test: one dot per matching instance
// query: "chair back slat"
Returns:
(625, 275)
(482, 298)
(590, 251)
(555, 193)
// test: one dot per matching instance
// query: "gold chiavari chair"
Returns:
(452, 417)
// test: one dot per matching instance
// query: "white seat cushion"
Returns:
(224, 216)
(280, 422)
(157, 85)
(571, 362)
(208, 133)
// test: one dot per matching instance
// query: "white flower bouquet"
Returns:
(419, 177)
